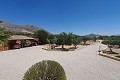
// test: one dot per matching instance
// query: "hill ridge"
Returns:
(18, 28)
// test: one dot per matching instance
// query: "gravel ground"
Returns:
(84, 64)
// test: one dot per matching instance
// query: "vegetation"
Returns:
(108, 43)
(52, 39)
(45, 70)
(61, 39)
(67, 39)
(76, 40)
(42, 36)
(1, 21)
(94, 39)
(85, 39)
(3, 37)
(112, 41)
(117, 56)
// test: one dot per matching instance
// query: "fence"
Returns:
(3, 47)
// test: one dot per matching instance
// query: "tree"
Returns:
(76, 40)
(42, 35)
(64, 39)
(108, 43)
(3, 37)
(1, 21)
(61, 39)
(69, 39)
(112, 41)
(100, 37)
(94, 39)
(85, 39)
(115, 42)
(52, 40)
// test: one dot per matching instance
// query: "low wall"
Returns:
(108, 56)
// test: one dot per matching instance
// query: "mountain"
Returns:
(31, 28)
(92, 35)
(116, 35)
(17, 28)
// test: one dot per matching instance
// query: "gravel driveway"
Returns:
(84, 64)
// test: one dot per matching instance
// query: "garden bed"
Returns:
(66, 48)
(114, 54)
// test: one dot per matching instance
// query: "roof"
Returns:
(20, 37)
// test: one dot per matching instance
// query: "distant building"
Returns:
(18, 41)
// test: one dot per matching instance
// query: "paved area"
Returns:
(84, 64)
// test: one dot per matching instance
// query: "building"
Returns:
(18, 41)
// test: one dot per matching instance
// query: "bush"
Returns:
(45, 70)
(117, 56)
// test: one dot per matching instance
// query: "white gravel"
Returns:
(84, 64)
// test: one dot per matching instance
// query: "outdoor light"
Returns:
(99, 49)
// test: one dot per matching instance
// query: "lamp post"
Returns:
(99, 49)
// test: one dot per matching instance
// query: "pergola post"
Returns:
(22, 43)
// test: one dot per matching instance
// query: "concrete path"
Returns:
(84, 64)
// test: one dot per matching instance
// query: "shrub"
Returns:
(45, 70)
(117, 56)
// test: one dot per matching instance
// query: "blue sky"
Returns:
(77, 16)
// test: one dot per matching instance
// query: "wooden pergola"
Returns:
(22, 39)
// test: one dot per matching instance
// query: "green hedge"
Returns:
(45, 70)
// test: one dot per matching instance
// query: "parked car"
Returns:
(17, 46)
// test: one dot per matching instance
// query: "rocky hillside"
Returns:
(92, 35)
(31, 28)
(16, 28)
